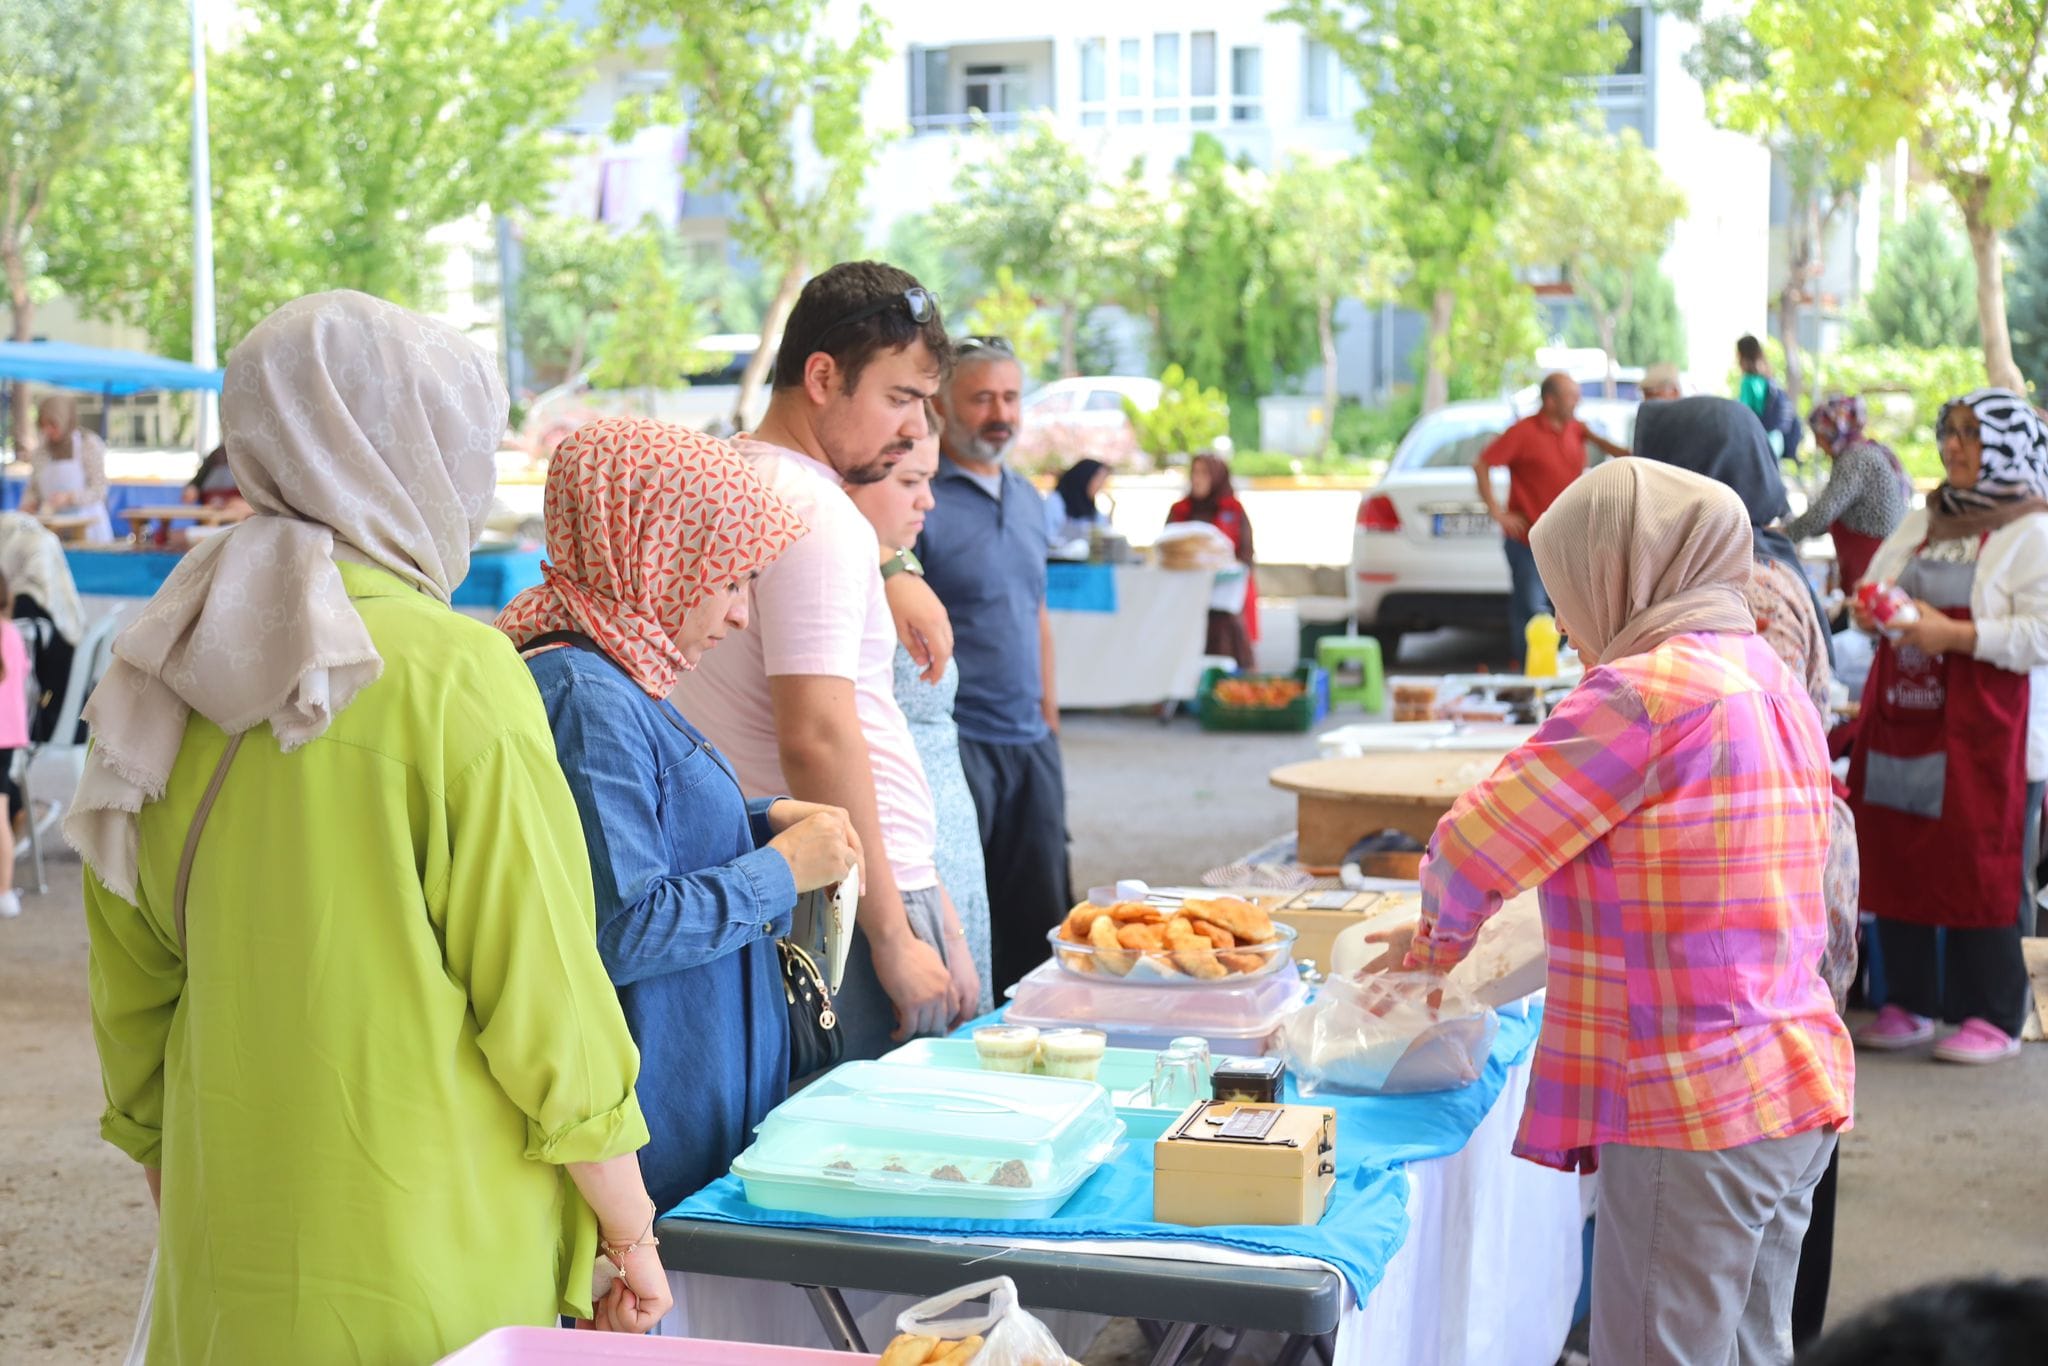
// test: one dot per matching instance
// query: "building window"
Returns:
(1247, 84)
(1631, 22)
(1202, 65)
(999, 93)
(931, 85)
(1130, 68)
(1094, 73)
(1318, 69)
(1165, 67)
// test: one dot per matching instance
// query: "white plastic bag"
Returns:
(1388, 1034)
(1010, 1337)
(138, 1346)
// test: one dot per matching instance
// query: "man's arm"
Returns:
(1050, 702)
(825, 760)
(1604, 444)
(1496, 454)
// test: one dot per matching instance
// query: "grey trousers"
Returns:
(865, 1012)
(1695, 1255)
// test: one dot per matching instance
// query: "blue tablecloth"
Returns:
(1071, 587)
(495, 578)
(1368, 1216)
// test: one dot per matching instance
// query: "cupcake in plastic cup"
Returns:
(1075, 1053)
(1006, 1048)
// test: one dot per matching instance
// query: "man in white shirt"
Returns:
(804, 703)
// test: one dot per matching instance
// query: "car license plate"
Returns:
(1461, 524)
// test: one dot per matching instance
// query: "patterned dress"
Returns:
(928, 707)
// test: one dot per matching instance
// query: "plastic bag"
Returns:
(1388, 1034)
(1010, 1337)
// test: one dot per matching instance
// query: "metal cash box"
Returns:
(1226, 1162)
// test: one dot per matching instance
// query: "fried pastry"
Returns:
(1109, 953)
(1246, 922)
(1143, 938)
(1191, 952)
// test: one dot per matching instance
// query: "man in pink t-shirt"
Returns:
(804, 702)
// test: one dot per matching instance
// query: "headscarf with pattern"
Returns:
(357, 431)
(645, 520)
(2013, 479)
(1839, 421)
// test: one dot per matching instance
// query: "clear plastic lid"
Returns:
(936, 1130)
(1247, 1008)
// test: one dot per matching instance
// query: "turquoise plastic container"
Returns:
(878, 1140)
(1126, 1073)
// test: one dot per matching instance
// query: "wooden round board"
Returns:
(1428, 777)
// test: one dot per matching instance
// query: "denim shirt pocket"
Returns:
(700, 808)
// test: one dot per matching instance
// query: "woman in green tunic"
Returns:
(357, 1054)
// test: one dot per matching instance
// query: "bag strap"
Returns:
(205, 808)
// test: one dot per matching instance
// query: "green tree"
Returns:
(1227, 316)
(651, 342)
(751, 75)
(344, 133)
(1009, 311)
(1599, 205)
(1962, 82)
(1747, 92)
(1016, 197)
(1925, 291)
(2027, 308)
(1654, 330)
(78, 80)
(574, 278)
(1496, 330)
(1187, 419)
(1330, 243)
(1127, 229)
(1455, 86)
(919, 243)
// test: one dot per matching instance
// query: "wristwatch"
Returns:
(902, 562)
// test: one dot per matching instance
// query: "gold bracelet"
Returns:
(616, 1252)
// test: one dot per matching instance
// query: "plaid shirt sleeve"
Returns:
(1581, 774)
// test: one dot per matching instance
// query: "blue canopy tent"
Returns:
(98, 370)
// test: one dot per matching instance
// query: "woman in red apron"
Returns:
(1211, 499)
(1947, 777)
(1867, 495)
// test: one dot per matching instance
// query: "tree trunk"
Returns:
(1436, 377)
(1799, 250)
(1326, 336)
(1788, 337)
(1605, 324)
(763, 359)
(24, 310)
(1070, 332)
(1985, 246)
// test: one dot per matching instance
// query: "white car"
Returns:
(1425, 555)
(1083, 418)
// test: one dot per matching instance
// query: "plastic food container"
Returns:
(1126, 1073)
(877, 1140)
(1171, 969)
(567, 1347)
(1237, 1018)
(1006, 1048)
(1072, 1053)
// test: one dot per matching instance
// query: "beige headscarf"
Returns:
(1638, 552)
(357, 431)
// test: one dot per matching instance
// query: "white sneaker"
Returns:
(10, 905)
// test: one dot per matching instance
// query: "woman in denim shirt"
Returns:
(654, 533)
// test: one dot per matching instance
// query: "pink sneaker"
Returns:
(1894, 1028)
(1977, 1041)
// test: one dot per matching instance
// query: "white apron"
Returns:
(68, 476)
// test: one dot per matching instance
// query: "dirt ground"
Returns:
(1942, 1176)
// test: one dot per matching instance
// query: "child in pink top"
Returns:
(14, 674)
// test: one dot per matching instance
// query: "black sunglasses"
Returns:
(917, 301)
(999, 345)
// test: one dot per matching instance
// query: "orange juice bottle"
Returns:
(1541, 640)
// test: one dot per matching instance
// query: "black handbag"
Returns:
(816, 1041)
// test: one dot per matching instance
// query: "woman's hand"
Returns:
(790, 812)
(921, 624)
(639, 1298)
(1860, 617)
(965, 997)
(1936, 633)
(821, 847)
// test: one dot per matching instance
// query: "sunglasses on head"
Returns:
(917, 302)
(999, 346)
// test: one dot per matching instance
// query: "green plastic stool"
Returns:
(1335, 652)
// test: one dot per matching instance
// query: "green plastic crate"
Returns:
(1301, 714)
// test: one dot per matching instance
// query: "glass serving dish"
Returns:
(1183, 966)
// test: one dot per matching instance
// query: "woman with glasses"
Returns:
(1948, 773)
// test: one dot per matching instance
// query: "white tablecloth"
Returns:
(1488, 1275)
(1147, 651)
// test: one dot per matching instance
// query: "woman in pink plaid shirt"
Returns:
(1674, 811)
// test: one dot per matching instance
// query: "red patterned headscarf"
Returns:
(645, 520)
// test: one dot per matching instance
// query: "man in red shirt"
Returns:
(1542, 453)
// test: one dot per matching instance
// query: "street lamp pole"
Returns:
(203, 349)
